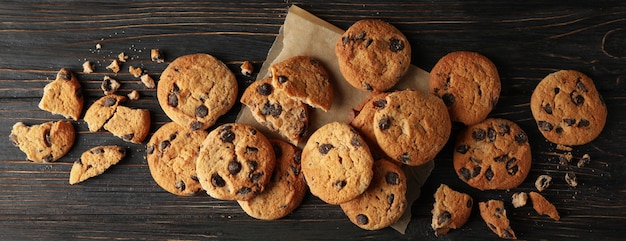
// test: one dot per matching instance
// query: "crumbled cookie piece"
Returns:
(148, 81)
(133, 95)
(565, 158)
(122, 57)
(494, 215)
(563, 147)
(156, 56)
(519, 199)
(95, 161)
(98, 46)
(247, 68)
(585, 160)
(135, 71)
(63, 96)
(543, 182)
(114, 66)
(570, 179)
(543, 206)
(109, 85)
(87, 67)
(451, 209)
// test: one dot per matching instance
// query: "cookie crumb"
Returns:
(565, 158)
(570, 178)
(585, 160)
(247, 68)
(519, 199)
(135, 71)
(156, 56)
(109, 85)
(122, 57)
(563, 147)
(543, 182)
(133, 95)
(148, 81)
(87, 67)
(98, 46)
(114, 66)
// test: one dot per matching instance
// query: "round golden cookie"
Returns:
(384, 201)
(373, 55)
(412, 126)
(196, 89)
(172, 152)
(337, 163)
(568, 108)
(304, 79)
(468, 83)
(286, 188)
(235, 162)
(46, 142)
(493, 154)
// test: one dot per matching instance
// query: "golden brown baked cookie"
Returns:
(364, 118)
(451, 209)
(46, 142)
(543, 206)
(131, 125)
(304, 79)
(494, 215)
(63, 96)
(95, 161)
(101, 111)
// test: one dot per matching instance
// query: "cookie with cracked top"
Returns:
(493, 154)
(235, 162)
(384, 201)
(451, 209)
(46, 142)
(304, 79)
(494, 215)
(131, 125)
(63, 96)
(412, 126)
(172, 152)
(373, 55)
(468, 83)
(196, 89)
(95, 161)
(568, 108)
(101, 111)
(337, 163)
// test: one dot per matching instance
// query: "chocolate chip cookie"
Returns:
(304, 79)
(46, 142)
(235, 162)
(101, 111)
(196, 89)
(493, 154)
(568, 108)
(373, 55)
(451, 209)
(95, 161)
(337, 163)
(494, 215)
(131, 125)
(363, 119)
(63, 96)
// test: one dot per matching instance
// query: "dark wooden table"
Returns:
(526, 42)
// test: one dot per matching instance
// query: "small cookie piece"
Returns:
(494, 215)
(246, 68)
(101, 111)
(147, 81)
(584, 160)
(543, 206)
(411, 126)
(286, 188)
(196, 89)
(109, 85)
(568, 108)
(384, 201)
(135, 71)
(156, 56)
(493, 154)
(95, 161)
(131, 125)
(373, 55)
(468, 83)
(337, 163)
(277, 111)
(543, 182)
(305, 79)
(364, 118)
(519, 199)
(87, 67)
(133, 95)
(172, 152)
(451, 209)
(122, 57)
(235, 162)
(46, 142)
(114, 65)
(570, 179)
(63, 96)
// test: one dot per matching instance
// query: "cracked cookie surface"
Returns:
(46, 142)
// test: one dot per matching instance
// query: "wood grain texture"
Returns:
(526, 40)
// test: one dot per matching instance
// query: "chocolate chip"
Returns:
(583, 123)
(476, 171)
(569, 121)
(396, 45)
(46, 138)
(128, 137)
(244, 191)
(479, 134)
(252, 165)
(465, 173)
(195, 178)
(282, 79)
(489, 174)
(252, 131)
(89, 166)
(109, 102)
(303, 132)
(556, 90)
(355, 141)
(444, 218)
(149, 149)
(297, 157)
(510, 162)
(106, 84)
(367, 86)
(173, 136)
(325, 148)
(217, 180)
(368, 42)
(180, 185)
(164, 144)
(271, 109)
(580, 85)
(384, 123)
(448, 99)
(548, 109)
(501, 158)
(513, 170)
(390, 199)
(196, 125)
(545, 126)
(521, 137)
(577, 99)
(469, 203)
(405, 158)
(491, 134)
(202, 111)
(251, 149)
(504, 129)
(559, 130)
(172, 99)
(228, 136)
(462, 149)
(381, 103)
(265, 89)
(234, 167)
(339, 184)
(47, 158)
(511, 167)
(79, 161)
(254, 177)
(97, 151)
(345, 40)
(295, 170)
(361, 219)
(392, 178)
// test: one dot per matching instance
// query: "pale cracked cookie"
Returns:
(101, 111)
(304, 79)
(131, 125)
(494, 215)
(384, 201)
(195, 90)
(373, 55)
(468, 83)
(363, 119)
(411, 126)
(172, 152)
(46, 142)
(493, 154)
(235, 162)
(336, 163)
(286, 188)
(568, 109)
(95, 161)
(63, 96)
(451, 209)
(276, 110)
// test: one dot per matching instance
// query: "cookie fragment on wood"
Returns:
(543, 206)
(133, 95)
(95, 161)
(46, 142)
(519, 199)
(148, 81)
(109, 85)
(156, 56)
(135, 71)
(494, 215)
(87, 67)
(122, 57)
(543, 182)
(583, 161)
(63, 96)
(451, 209)
(247, 68)
(114, 66)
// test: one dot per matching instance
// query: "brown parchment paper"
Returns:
(305, 34)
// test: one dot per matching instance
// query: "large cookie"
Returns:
(568, 108)
(411, 126)
(305, 79)
(451, 209)
(468, 83)
(337, 163)
(235, 162)
(172, 152)
(493, 154)
(384, 201)
(131, 125)
(95, 161)
(63, 96)
(276, 110)
(101, 111)
(373, 55)
(286, 188)
(196, 89)
(46, 142)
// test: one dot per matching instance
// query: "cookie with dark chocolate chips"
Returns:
(494, 215)
(568, 109)
(95, 161)
(235, 162)
(46, 142)
(451, 209)
(101, 111)
(493, 154)
(172, 152)
(63, 96)
(304, 79)
(131, 125)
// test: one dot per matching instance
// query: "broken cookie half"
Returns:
(95, 161)
(451, 209)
